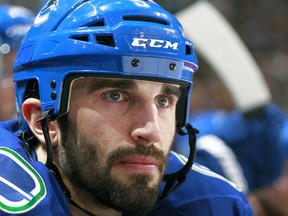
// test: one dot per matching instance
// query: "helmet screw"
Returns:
(53, 84)
(172, 66)
(53, 95)
(135, 62)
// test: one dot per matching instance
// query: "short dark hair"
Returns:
(32, 90)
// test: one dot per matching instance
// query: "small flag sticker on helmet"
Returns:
(17, 195)
(190, 67)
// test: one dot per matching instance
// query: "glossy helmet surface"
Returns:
(127, 38)
(15, 21)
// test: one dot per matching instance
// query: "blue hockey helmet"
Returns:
(15, 21)
(127, 38)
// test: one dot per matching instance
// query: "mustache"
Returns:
(139, 149)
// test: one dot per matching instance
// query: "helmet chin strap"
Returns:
(44, 120)
(175, 180)
(172, 181)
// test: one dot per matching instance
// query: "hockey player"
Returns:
(102, 87)
(15, 21)
(238, 146)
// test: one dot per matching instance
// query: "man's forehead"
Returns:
(102, 82)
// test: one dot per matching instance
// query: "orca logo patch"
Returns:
(21, 186)
(43, 15)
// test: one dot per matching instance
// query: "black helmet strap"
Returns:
(174, 180)
(44, 120)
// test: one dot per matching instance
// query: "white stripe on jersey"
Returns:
(226, 159)
(204, 170)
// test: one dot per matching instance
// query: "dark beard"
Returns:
(82, 163)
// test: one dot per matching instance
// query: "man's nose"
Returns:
(147, 128)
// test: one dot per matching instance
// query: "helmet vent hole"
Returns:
(105, 40)
(97, 23)
(145, 19)
(188, 50)
(80, 37)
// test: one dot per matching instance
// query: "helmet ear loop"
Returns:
(174, 180)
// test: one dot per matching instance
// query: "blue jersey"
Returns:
(28, 187)
(204, 193)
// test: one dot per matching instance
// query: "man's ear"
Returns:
(31, 110)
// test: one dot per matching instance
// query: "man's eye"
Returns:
(114, 96)
(163, 101)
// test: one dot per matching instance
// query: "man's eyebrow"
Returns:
(100, 83)
(171, 89)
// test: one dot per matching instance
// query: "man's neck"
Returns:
(99, 212)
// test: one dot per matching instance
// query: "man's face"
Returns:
(116, 140)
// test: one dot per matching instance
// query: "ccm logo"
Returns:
(144, 42)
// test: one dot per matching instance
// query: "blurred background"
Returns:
(262, 24)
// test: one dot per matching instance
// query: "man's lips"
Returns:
(142, 164)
